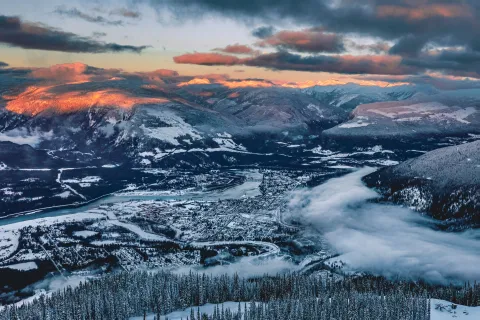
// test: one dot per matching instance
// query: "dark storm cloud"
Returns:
(387, 18)
(3, 64)
(17, 33)
(308, 40)
(461, 63)
(409, 45)
(314, 63)
(263, 32)
(409, 23)
(325, 63)
(75, 13)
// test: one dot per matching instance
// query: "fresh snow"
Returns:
(341, 167)
(384, 162)
(64, 195)
(145, 162)
(89, 179)
(24, 266)
(109, 166)
(442, 310)
(9, 240)
(177, 128)
(357, 124)
(423, 111)
(229, 143)
(84, 233)
(207, 308)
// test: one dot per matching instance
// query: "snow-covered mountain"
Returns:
(449, 113)
(444, 182)
(349, 96)
(126, 121)
(74, 114)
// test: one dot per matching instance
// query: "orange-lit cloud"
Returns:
(75, 72)
(207, 59)
(80, 72)
(35, 100)
(236, 49)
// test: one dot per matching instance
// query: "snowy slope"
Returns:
(448, 113)
(351, 95)
(445, 310)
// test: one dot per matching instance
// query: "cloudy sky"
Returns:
(308, 40)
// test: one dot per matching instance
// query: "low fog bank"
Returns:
(384, 239)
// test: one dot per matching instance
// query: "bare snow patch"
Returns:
(145, 162)
(88, 179)
(356, 124)
(24, 266)
(64, 195)
(177, 128)
(85, 233)
(208, 308)
(110, 166)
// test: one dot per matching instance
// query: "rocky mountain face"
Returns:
(444, 183)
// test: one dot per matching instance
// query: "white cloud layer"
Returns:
(385, 239)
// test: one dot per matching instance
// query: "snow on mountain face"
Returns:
(184, 122)
(265, 107)
(350, 96)
(445, 114)
(174, 120)
(444, 182)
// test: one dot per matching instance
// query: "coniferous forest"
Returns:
(123, 295)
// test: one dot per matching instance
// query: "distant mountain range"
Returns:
(91, 117)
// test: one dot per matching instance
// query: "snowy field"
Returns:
(440, 310)
(444, 310)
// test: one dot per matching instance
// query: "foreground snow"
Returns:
(207, 309)
(442, 310)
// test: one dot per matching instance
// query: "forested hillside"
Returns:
(123, 295)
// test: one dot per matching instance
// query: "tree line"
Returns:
(292, 296)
